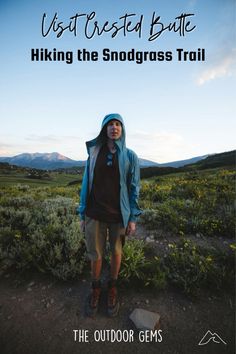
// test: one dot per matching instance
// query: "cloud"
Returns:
(158, 137)
(159, 147)
(51, 138)
(70, 146)
(224, 68)
(192, 3)
(4, 149)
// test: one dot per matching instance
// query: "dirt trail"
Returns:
(38, 315)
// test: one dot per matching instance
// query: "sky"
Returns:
(173, 110)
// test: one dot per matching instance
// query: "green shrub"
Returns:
(191, 267)
(38, 227)
(155, 273)
(137, 266)
(133, 261)
(185, 267)
(191, 203)
(44, 234)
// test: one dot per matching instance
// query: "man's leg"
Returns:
(96, 268)
(115, 265)
(115, 232)
(95, 239)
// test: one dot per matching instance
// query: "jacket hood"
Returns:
(102, 136)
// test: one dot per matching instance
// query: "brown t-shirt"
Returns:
(104, 199)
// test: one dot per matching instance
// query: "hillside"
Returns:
(12, 174)
(55, 161)
(225, 159)
(22, 174)
(43, 161)
(217, 160)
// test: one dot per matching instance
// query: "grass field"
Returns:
(56, 179)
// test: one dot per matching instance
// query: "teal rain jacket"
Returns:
(129, 174)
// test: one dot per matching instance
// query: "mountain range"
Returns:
(54, 160)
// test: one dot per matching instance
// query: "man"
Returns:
(108, 204)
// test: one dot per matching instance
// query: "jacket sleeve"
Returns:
(134, 187)
(84, 192)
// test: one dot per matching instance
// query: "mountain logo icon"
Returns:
(209, 336)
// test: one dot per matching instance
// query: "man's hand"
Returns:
(82, 225)
(130, 230)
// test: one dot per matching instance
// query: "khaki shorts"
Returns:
(96, 234)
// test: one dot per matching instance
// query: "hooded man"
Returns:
(108, 204)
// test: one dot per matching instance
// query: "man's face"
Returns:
(114, 130)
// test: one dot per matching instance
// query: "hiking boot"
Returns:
(113, 304)
(93, 299)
